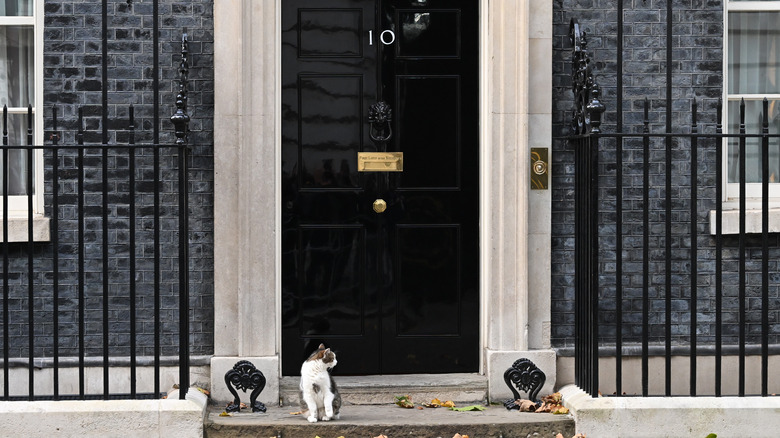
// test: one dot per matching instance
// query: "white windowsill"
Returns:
(17, 229)
(753, 214)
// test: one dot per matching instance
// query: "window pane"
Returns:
(753, 120)
(754, 52)
(16, 8)
(17, 159)
(17, 68)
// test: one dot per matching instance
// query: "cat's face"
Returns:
(325, 355)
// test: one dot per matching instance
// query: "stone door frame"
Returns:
(516, 114)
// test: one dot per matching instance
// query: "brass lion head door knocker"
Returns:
(380, 116)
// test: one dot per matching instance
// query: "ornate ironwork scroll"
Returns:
(181, 119)
(245, 376)
(527, 377)
(586, 116)
(380, 116)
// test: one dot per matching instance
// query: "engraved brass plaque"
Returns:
(539, 169)
(380, 162)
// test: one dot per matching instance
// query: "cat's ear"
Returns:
(321, 347)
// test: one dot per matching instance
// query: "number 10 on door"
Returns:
(387, 37)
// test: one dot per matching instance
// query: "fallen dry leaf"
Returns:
(525, 405)
(436, 403)
(469, 408)
(457, 435)
(579, 435)
(381, 436)
(561, 410)
(296, 413)
(560, 435)
(225, 414)
(404, 401)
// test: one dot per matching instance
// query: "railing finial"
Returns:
(588, 108)
(181, 119)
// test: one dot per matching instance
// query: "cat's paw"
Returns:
(326, 418)
(312, 419)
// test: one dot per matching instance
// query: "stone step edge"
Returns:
(426, 383)
(381, 389)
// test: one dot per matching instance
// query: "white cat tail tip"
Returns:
(312, 419)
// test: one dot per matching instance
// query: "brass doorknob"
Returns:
(380, 205)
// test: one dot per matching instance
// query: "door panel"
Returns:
(428, 284)
(330, 129)
(429, 130)
(332, 292)
(395, 292)
(332, 32)
(427, 33)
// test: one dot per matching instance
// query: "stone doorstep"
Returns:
(367, 421)
(377, 390)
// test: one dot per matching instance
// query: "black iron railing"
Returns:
(627, 210)
(106, 289)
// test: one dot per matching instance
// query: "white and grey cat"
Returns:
(320, 398)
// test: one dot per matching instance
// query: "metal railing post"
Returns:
(181, 121)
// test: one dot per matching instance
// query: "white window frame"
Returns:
(753, 191)
(18, 204)
(18, 212)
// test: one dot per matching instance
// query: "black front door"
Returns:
(395, 291)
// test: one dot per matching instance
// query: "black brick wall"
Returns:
(73, 77)
(696, 72)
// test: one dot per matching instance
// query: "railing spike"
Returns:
(55, 136)
(765, 111)
(5, 125)
(80, 132)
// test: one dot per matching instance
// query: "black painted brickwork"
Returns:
(697, 72)
(73, 77)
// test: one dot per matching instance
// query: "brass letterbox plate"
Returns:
(380, 161)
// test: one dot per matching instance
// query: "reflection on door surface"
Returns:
(382, 266)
